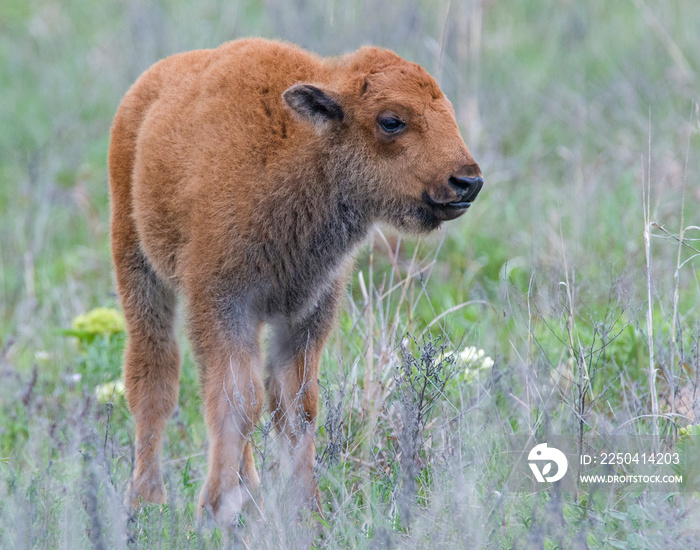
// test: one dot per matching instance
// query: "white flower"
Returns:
(476, 362)
(471, 354)
(107, 392)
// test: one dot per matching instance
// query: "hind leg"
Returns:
(152, 359)
(151, 367)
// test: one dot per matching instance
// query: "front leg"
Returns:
(292, 386)
(227, 350)
(233, 398)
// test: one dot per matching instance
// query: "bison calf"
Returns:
(244, 178)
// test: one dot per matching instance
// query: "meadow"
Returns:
(566, 302)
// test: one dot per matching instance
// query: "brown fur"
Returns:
(247, 192)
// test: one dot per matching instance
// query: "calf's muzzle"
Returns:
(467, 187)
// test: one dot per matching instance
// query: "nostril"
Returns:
(468, 187)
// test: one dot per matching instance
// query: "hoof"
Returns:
(145, 490)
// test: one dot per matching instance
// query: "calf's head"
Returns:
(393, 138)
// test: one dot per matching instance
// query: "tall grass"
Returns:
(576, 271)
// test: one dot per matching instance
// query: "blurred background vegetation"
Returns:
(570, 108)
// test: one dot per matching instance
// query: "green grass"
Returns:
(568, 107)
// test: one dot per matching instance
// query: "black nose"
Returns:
(468, 188)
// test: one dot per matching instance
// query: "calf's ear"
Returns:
(313, 103)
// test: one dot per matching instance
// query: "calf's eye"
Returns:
(391, 124)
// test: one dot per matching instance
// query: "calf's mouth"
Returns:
(446, 210)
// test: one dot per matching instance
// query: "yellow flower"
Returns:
(101, 320)
(691, 430)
